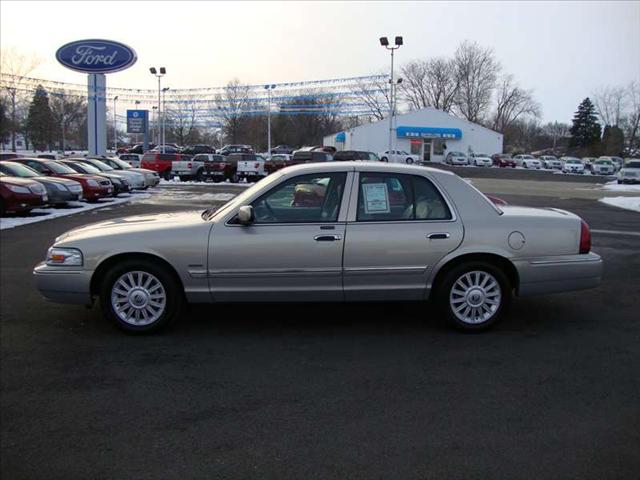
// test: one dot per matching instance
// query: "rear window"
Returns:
(149, 157)
(168, 157)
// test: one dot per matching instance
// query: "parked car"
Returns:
(20, 195)
(310, 156)
(229, 149)
(282, 149)
(167, 148)
(456, 158)
(196, 149)
(397, 156)
(572, 165)
(347, 155)
(551, 162)
(120, 185)
(616, 161)
(94, 187)
(8, 156)
(249, 166)
(503, 160)
(60, 191)
(151, 178)
(217, 167)
(603, 166)
(630, 172)
(135, 180)
(49, 156)
(477, 255)
(132, 159)
(162, 162)
(527, 161)
(480, 160)
(139, 148)
(588, 162)
(276, 162)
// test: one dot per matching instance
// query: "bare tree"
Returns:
(375, 97)
(476, 69)
(15, 67)
(231, 106)
(556, 131)
(512, 103)
(610, 104)
(182, 123)
(632, 120)
(430, 83)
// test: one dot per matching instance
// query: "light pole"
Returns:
(159, 75)
(384, 41)
(164, 90)
(155, 109)
(137, 137)
(115, 127)
(268, 88)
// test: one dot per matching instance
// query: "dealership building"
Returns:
(428, 134)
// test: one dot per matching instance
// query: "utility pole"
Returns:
(384, 41)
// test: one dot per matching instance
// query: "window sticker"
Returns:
(376, 198)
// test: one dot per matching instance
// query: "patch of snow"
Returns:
(615, 187)
(628, 203)
(42, 214)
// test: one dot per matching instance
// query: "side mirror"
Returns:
(245, 215)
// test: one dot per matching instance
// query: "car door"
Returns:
(398, 227)
(293, 249)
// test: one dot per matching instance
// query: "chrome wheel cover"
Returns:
(475, 297)
(138, 298)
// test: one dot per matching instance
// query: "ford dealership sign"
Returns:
(96, 56)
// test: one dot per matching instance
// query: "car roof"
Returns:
(360, 166)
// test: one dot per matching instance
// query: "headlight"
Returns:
(64, 256)
(92, 183)
(75, 188)
(17, 189)
(61, 187)
(38, 189)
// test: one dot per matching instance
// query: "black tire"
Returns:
(234, 178)
(174, 295)
(444, 292)
(200, 176)
(619, 182)
(166, 175)
(3, 210)
(409, 161)
(384, 159)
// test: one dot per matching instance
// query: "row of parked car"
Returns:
(27, 183)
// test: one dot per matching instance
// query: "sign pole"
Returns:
(97, 110)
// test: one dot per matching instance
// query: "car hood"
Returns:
(150, 224)
(144, 171)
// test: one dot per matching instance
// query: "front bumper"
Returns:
(64, 284)
(629, 180)
(558, 273)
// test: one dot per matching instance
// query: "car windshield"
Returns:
(120, 163)
(20, 170)
(572, 160)
(603, 162)
(480, 155)
(458, 154)
(99, 165)
(88, 168)
(632, 165)
(528, 157)
(60, 168)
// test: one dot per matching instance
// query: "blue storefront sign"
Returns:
(96, 56)
(428, 132)
(137, 121)
(341, 137)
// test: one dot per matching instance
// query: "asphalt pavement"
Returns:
(320, 391)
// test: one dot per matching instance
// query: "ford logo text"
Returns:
(96, 56)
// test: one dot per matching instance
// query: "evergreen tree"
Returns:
(613, 140)
(586, 130)
(40, 120)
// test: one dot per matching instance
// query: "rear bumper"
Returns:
(63, 285)
(559, 273)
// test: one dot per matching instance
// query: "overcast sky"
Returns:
(563, 51)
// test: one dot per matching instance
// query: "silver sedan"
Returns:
(347, 231)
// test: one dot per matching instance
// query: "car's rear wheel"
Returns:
(3, 210)
(384, 159)
(409, 161)
(200, 176)
(474, 295)
(140, 296)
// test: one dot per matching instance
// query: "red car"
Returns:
(19, 195)
(94, 187)
(503, 160)
(161, 162)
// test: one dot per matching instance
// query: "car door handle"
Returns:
(438, 236)
(327, 238)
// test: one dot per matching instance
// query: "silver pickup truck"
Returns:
(190, 169)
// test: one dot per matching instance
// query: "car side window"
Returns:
(304, 199)
(36, 166)
(399, 197)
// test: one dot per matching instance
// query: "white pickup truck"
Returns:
(249, 166)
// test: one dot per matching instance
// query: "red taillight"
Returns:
(188, 165)
(257, 166)
(585, 237)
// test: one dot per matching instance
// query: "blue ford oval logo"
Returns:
(96, 56)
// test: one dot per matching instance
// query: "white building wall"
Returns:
(375, 136)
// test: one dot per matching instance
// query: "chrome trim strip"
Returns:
(410, 269)
(562, 262)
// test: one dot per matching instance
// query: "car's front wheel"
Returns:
(140, 296)
(474, 295)
(409, 161)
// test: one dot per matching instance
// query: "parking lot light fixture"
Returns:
(384, 41)
(164, 91)
(160, 112)
(268, 88)
(115, 126)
